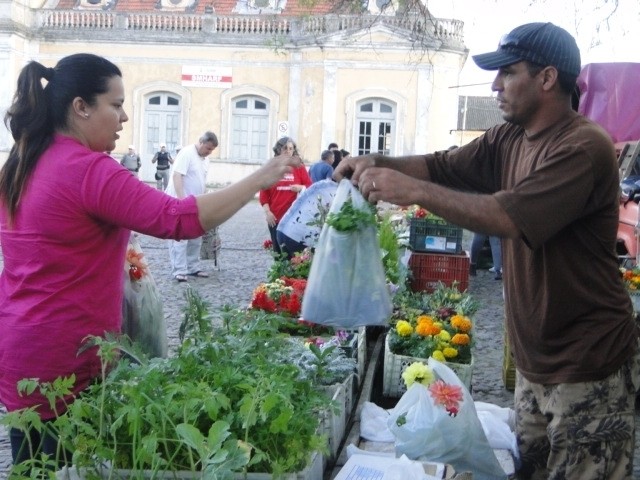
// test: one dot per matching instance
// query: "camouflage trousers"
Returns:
(578, 430)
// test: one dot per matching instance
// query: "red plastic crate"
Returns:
(427, 269)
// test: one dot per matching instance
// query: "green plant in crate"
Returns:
(434, 325)
(297, 267)
(254, 414)
(388, 240)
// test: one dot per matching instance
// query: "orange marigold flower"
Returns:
(426, 329)
(461, 323)
(461, 339)
(424, 319)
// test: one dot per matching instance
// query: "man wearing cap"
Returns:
(164, 159)
(546, 182)
(131, 161)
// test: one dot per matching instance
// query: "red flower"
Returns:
(267, 244)
(135, 273)
(298, 284)
(262, 301)
(449, 396)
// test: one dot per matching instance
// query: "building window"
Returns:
(177, 5)
(250, 129)
(93, 4)
(163, 111)
(375, 124)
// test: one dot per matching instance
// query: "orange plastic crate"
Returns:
(427, 269)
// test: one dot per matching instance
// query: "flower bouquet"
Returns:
(436, 420)
(142, 309)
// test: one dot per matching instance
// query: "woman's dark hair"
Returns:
(37, 112)
(337, 158)
(280, 144)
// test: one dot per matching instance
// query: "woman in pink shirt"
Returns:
(66, 212)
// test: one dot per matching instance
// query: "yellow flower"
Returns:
(461, 323)
(444, 336)
(461, 339)
(404, 328)
(418, 372)
(438, 355)
(450, 352)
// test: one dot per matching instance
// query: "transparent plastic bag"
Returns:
(426, 431)
(142, 310)
(347, 286)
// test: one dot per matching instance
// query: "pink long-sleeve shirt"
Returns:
(63, 263)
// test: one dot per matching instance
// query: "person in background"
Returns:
(190, 178)
(322, 169)
(276, 200)
(546, 182)
(477, 243)
(66, 215)
(131, 161)
(337, 154)
(344, 154)
(164, 160)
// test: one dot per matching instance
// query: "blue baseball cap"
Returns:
(541, 43)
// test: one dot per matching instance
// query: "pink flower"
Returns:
(449, 396)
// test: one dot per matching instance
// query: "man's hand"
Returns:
(353, 167)
(389, 185)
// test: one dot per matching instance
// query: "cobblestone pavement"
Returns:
(243, 264)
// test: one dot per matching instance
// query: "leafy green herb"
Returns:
(389, 245)
(349, 218)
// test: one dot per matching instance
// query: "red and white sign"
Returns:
(208, 77)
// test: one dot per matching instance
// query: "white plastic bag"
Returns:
(426, 431)
(373, 423)
(346, 285)
(498, 424)
(142, 310)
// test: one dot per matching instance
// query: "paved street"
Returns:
(244, 264)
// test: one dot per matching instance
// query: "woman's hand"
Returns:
(273, 171)
(271, 218)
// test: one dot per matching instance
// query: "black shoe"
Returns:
(472, 270)
(498, 276)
